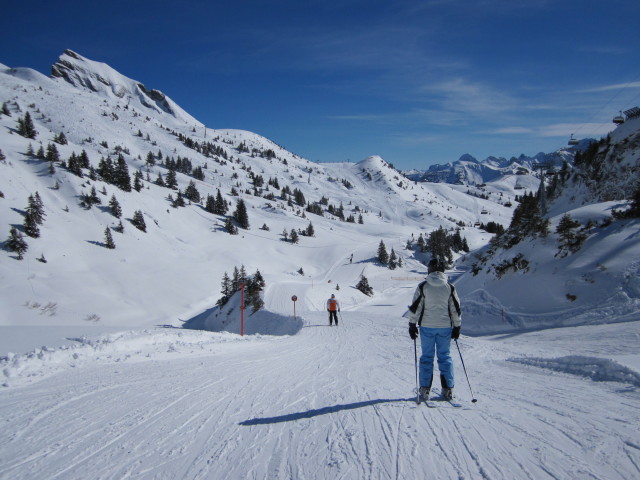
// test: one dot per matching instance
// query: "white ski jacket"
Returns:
(439, 306)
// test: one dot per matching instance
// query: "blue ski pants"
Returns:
(434, 340)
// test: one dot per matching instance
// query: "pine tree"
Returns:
(115, 208)
(230, 227)
(383, 256)
(26, 127)
(2, 156)
(171, 181)
(138, 221)
(235, 280)
(310, 232)
(221, 207)
(364, 287)
(210, 204)
(226, 286)
(60, 138)
(34, 216)
(191, 192)
(439, 245)
(32, 209)
(240, 215)
(106, 170)
(393, 260)
(108, 239)
(5, 109)
(16, 243)
(137, 181)
(160, 181)
(31, 226)
(122, 179)
(74, 165)
(570, 240)
(293, 236)
(52, 153)
(179, 201)
(83, 158)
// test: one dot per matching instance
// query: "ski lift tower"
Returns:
(543, 167)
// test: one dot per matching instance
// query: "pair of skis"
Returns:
(437, 402)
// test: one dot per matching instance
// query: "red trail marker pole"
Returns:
(242, 310)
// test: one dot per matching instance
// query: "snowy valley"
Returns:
(121, 363)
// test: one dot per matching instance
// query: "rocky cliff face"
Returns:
(102, 79)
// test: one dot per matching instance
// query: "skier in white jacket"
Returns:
(435, 314)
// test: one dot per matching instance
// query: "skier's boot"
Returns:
(424, 393)
(447, 392)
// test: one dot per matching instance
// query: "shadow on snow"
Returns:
(320, 411)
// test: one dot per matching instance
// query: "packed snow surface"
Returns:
(325, 403)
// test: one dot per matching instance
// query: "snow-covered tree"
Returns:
(364, 287)
(26, 127)
(138, 221)
(240, 215)
(114, 206)
(383, 256)
(108, 239)
(16, 243)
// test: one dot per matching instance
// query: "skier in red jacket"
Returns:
(333, 307)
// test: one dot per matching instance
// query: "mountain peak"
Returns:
(103, 80)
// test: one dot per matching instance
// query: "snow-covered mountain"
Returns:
(470, 171)
(104, 383)
(174, 269)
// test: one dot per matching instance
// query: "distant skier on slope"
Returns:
(436, 310)
(333, 307)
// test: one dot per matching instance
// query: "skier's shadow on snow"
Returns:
(291, 417)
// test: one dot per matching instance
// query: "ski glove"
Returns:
(413, 331)
(455, 333)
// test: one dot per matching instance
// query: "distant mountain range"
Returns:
(468, 170)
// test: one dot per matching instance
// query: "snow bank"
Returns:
(227, 319)
(597, 369)
(142, 345)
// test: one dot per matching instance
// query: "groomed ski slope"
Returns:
(325, 403)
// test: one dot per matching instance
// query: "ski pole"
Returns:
(473, 399)
(340, 313)
(415, 355)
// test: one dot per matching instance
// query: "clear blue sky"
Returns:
(417, 82)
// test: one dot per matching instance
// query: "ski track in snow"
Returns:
(327, 403)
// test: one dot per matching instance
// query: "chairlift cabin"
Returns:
(573, 141)
(618, 119)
